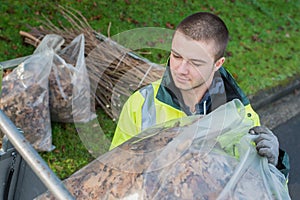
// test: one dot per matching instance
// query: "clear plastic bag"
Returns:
(25, 99)
(70, 98)
(190, 158)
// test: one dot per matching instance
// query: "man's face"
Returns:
(191, 62)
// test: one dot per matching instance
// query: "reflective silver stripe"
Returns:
(148, 109)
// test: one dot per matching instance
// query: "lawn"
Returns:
(263, 49)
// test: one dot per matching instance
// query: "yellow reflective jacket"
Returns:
(158, 103)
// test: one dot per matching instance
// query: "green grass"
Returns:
(262, 53)
(71, 151)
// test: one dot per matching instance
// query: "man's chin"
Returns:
(183, 87)
(187, 87)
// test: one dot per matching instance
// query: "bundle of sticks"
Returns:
(115, 72)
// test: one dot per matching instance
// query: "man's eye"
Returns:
(176, 56)
(196, 64)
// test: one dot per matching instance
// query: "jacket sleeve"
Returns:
(129, 123)
(283, 163)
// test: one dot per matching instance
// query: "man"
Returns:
(194, 83)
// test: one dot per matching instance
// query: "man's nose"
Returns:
(183, 66)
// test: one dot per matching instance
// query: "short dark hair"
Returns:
(206, 26)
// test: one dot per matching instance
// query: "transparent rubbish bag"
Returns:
(70, 97)
(25, 99)
(189, 158)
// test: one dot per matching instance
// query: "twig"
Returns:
(108, 29)
(31, 37)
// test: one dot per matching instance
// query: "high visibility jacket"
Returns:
(155, 104)
(159, 102)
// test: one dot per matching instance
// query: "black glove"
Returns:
(267, 144)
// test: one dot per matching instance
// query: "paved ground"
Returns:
(289, 138)
(283, 117)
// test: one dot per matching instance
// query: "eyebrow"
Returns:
(192, 59)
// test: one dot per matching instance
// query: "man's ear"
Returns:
(219, 63)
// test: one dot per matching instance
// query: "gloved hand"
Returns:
(266, 143)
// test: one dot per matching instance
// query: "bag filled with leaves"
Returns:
(70, 99)
(25, 99)
(209, 157)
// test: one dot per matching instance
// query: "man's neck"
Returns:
(193, 97)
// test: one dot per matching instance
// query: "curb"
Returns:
(268, 96)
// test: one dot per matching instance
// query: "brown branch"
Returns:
(30, 37)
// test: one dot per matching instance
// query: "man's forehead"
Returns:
(190, 48)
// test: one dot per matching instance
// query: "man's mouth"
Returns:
(182, 79)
